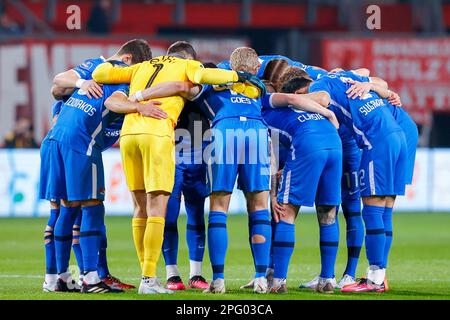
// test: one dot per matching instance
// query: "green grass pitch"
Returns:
(419, 262)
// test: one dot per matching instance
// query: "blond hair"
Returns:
(244, 59)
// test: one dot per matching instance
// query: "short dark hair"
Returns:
(138, 48)
(182, 48)
(294, 84)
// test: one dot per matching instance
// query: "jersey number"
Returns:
(158, 68)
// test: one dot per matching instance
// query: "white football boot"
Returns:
(260, 285)
(49, 284)
(345, 281)
(311, 284)
(326, 285)
(216, 286)
(152, 286)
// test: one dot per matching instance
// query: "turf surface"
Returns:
(419, 262)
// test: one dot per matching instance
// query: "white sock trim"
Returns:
(195, 268)
(172, 271)
(376, 275)
(51, 278)
(91, 277)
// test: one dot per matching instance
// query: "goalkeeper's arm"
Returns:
(106, 73)
(186, 89)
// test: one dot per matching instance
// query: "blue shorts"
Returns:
(190, 181)
(312, 178)
(350, 174)
(412, 138)
(383, 167)
(45, 170)
(71, 175)
(240, 150)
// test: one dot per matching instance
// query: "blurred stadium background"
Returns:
(411, 51)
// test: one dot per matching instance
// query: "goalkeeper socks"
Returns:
(217, 242)
(49, 243)
(138, 226)
(153, 240)
(76, 241)
(261, 236)
(375, 235)
(355, 234)
(283, 247)
(195, 231)
(90, 233)
(102, 267)
(63, 237)
(329, 242)
(387, 220)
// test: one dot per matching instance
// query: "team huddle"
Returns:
(287, 134)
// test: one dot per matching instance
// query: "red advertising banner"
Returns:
(418, 69)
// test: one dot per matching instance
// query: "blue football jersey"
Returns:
(346, 136)
(368, 117)
(312, 71)
(219, 102)
(307, 132)
(86, 69)
(82, 120)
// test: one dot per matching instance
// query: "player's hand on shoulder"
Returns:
(92, 89)
(358, 89)
(394, 99)
(332, 118)
(150, 109)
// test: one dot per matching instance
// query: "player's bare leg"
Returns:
(218, 239)
(153, 239)
(260, 236)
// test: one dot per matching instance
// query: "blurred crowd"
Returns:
(7, 25)
(21, 136)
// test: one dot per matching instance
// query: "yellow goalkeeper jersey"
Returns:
(146, 74)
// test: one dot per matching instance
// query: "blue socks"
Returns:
(170, 242)
(50, 257)
(102, 266)
(91, 232)
(375, 234)
(63, 237)
(387, 220)
(329, 242)
(273, 224)
(260, 226)
(195, 230)
(283, 247)
(217, 242)
(355, 234)
(76, 241)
